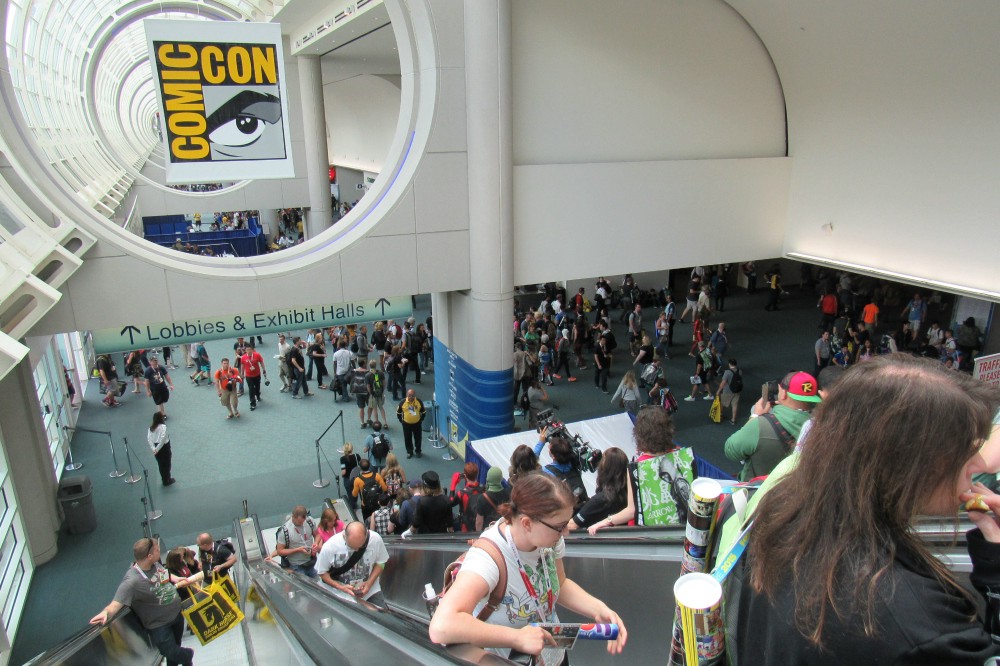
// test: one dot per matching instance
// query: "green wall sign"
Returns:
(249, 323)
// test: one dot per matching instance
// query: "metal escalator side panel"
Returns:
(121, 641)
(332, 629)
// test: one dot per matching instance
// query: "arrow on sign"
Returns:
(380, 303)
(132, 330)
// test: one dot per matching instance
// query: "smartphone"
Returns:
(769, 391)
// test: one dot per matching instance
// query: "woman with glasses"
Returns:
(528, 540)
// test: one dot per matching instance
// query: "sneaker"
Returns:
(690, 398)
(409, 455)
(284, 389)
(556, 376)
(169, 482)
(253, 407)
(419, 454)
(571, 379)
(309, 395)
(296, 397)
(605, 392)
(709, 397)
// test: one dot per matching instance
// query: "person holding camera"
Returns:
(565, 465)
(252, 367)
(227, 383)
(774, 427)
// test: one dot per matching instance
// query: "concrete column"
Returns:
(30, 465)
(473, 335)
(270, 220)
(320, 215)
(489, 118)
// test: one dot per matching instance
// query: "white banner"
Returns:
(223, 104)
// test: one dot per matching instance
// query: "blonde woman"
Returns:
(627, 395)
(393, 474)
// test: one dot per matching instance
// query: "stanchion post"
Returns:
(448, 456)
(116, 473)
(153, 513)
(319, 483)
(70, 466)
(435, 438)
(132, 477)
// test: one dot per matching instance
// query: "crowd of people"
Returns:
(840, 596)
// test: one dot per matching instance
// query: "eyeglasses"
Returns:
(560, 530)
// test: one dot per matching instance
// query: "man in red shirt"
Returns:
(227, 383)
(252, 367)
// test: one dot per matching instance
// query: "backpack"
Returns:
(525, 402)
(649, 373)
(380, 447)
(370, 492)
(497, 593)
(359, 386)
(883, 345)
(736, 385)
(472, 494)
(282, 535)
(394, 482)
(378, 387)
(573, 480)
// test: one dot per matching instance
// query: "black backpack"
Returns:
(612, 343)
(525, 402)
(574, 480)
(380, 447)
(472, 502)
(370, 493)
(359, 385)
(736, 385)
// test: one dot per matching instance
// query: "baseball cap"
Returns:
(494, 479)
(801, 386)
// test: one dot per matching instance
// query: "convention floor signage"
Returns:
(222, 99)
(250, 323)
(987, 369)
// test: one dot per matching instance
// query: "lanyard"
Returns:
(726, 564)
(549, 596)
(157, 577)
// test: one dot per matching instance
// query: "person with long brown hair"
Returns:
(614, 492)
(835, 573)
(529, 542)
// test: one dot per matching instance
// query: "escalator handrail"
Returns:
(398, 624)
(71, 645)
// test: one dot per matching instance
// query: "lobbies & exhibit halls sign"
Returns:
(223, 107)
(201, 329)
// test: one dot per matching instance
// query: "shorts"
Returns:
(206, 367)
(362, 399)
(376, 400)
(160, 396)
(111, 386)
(730, 398)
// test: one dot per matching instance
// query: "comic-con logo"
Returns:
(220, 101)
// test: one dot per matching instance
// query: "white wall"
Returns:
(893, 129)
(348, 180)
(652, 80)
(361, 117)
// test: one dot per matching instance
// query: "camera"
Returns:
(769, 391)
(267, 382)
(586, 458)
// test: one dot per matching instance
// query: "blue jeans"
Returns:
(167, 640)
(305, 570)
(299, 381)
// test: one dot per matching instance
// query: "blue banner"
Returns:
(480, 403)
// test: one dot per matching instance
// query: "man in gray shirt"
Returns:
(148, 589)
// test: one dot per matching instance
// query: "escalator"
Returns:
(631, 569)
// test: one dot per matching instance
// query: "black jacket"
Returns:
(920, 621)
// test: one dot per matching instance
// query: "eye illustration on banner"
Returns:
(245, 125)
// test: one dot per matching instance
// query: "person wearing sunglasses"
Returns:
(528, 541)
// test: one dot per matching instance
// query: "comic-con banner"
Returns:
(223, 106)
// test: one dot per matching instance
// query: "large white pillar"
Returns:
(26, 446)
(489, 118)
(320, 214)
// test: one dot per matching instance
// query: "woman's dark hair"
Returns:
(537, 494)
(561, 450)
(653, 431)
(612, 476)
(522, 461)
(895, 431)
(158, 420)
(175, 560)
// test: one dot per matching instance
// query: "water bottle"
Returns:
(431, 599)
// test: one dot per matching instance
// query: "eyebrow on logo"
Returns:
(247, 103)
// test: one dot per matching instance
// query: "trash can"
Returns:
(77, 502)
